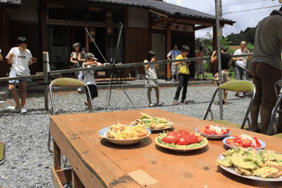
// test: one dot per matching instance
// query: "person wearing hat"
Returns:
(20, 59)
(89, 79)
(77, 58)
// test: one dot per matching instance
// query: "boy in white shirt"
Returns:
(1, 57)
(89, 78)
(20, 59)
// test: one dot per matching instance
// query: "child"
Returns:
(152, 78)
(183, 75)
(20, 58)
(200, 69)
(89, 79)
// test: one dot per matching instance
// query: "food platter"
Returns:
(184, 148)
(212, 136)
(230, 146)
(232, 171)
(168, 127)
(155, 124)
(103, 133)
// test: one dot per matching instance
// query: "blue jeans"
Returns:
(240, 73)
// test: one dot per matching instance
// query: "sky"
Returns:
(244, 19)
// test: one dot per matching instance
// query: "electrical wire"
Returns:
(241, 3)
(251, 9)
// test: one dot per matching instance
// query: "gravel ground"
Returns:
(28, 162)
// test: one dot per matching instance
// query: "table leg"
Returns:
(76, 182)
(57, 156)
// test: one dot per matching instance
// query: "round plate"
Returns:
(182, 148)
(230, 146)
(212, 136)
(156, 130)
(232, 171)
(103, 133)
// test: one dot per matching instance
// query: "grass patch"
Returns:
(278, 135)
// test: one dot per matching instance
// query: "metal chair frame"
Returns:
(52, 101)
(272, 124)
(246, 118)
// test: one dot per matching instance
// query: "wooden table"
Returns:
(98, 163)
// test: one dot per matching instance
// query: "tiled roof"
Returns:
(11, 2)
(166, 8)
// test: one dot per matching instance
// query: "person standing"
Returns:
(183, 75)
(77, 58)
(200, 69)
(241, 64)
(266, 69)
(152, 78)
(225, 63)
(1, 57)
(20, 59)
(89, 79)
(172, 56)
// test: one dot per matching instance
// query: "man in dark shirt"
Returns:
(225, 62)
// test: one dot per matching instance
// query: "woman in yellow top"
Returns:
(183, 75)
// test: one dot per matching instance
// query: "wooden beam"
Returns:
(161, 21)
(156, 12)
(168, 48)
(201, 27)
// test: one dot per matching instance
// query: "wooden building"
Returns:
(54, 25)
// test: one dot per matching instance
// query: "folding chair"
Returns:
(273, 126)
(237, 86)
(2, 152)
(64, 82)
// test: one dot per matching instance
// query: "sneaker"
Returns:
(160, 104)
(23, 110)
(13, 109)
(85, 103)
(184, 102)
(175, 102)
(151, 104)
(172, 80)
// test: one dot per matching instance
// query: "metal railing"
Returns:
(48, 74)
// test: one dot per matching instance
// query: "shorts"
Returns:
(225, 77)
(151, 83)
(13, 74)
(93, 91)
(174, 69)
(200, 68)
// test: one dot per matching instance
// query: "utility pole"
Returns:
(220, 14)
(218, 33)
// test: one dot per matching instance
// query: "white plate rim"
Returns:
(262, 143)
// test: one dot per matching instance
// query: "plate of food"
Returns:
(124, 134)
(244, 141)
(153, 123)
(262, 165)
(213, 132)
(181, 141)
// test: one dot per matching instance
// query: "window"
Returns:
(118, 17)
(57, 13)
(76, 14)
(95, 16)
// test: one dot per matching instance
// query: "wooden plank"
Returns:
(84, 158)
(170, 169)
(56, 180)
(57, 156)
(76, 182)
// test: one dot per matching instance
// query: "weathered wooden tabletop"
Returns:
(103, 164)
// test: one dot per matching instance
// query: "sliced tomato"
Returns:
(246, 143)
(207, 127)
(229, 141)
(258, 145)
(170, 139)
(182, 141)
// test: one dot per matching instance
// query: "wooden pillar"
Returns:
(214, 47)
(57, 156)
(126, 42)
(43, 26)
(168, 48)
